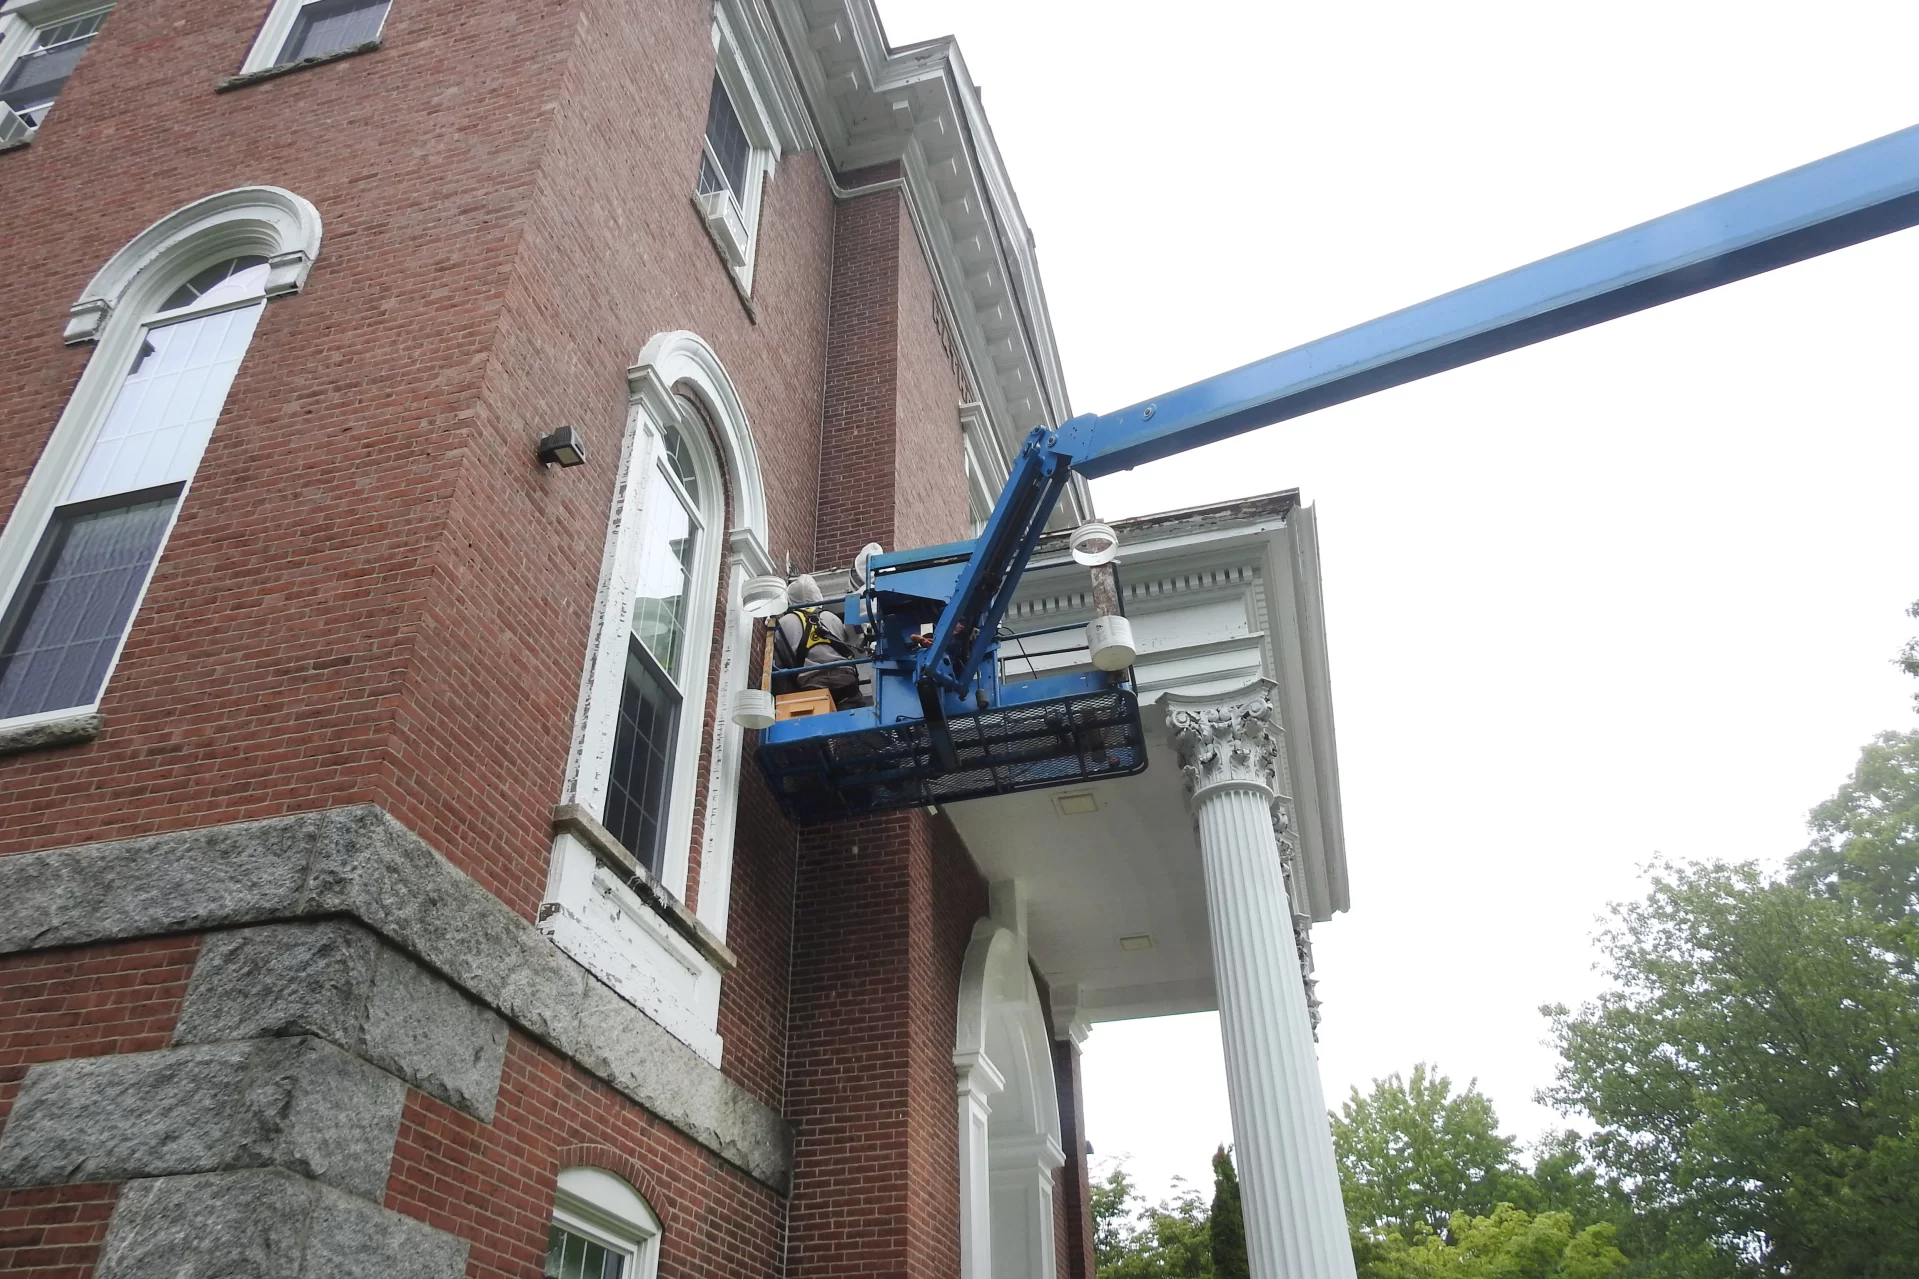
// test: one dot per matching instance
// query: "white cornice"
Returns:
(918, 107)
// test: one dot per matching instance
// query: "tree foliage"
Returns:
(1753, 1077)
(1226, 1230)
(1508, 1243)
(1865, 839)
(1134, 1241)
(1412, 1154)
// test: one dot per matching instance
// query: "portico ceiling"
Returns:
(1110, 873)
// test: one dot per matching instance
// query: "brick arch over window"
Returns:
(617, 1162)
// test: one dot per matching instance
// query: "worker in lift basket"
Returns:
(811, 633)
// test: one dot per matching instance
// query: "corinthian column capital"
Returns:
(1227, 739)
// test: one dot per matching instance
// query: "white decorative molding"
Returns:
(1009, 1128)
(918, 106)
(1227, 740)
(273, 222)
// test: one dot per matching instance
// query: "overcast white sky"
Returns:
(1631, 592)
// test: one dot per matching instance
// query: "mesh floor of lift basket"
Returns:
(1082, 738)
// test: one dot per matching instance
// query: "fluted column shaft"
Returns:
(1289, 1183)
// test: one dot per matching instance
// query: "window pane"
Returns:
(642, 758)
(38, 76)
(227, 281)
(728, 140)
(165, 410)
(680, 461)
(328, 26)
(68, 616)
(666, 558)
(570, 1256)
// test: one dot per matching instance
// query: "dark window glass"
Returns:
(642, 757)
(569, 1256)
(727, 144)
(39, 74)
(60, 634)
(328, 26)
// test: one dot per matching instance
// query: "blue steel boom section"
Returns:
(943, 727)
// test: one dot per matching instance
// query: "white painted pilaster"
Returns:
(1229, 746)
(977, 1083)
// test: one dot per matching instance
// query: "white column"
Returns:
(1229, 747)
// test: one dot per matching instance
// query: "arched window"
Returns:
(601, 1229)
(687, 528)
(173, 313)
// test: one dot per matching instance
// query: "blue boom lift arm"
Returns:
(943, 727)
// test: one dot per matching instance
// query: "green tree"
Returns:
(1865, 839)
(1226, 1231)
(1908, 659)
(1132, 1241)
(1754, 1078)
(1411, 1154)
(1507, 1243)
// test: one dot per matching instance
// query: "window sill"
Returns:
(18, 144)
(571, 819)
(47, 734)
(726, 263)
(246, 78)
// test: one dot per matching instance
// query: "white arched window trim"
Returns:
(112, 312)
(1009, 1130)
(601, 1207)
(590, 911)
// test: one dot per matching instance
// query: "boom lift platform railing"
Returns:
(943, 726)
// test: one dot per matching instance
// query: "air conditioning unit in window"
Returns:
(724, 224)
(12, 128)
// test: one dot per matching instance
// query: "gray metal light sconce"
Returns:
(562, 448)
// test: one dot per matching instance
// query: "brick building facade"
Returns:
(288, 977)
(384, 886)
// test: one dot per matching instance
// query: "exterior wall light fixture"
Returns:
(562, 448)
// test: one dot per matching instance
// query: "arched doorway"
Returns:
(1008, 1113)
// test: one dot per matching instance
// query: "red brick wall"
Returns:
(373, 592)
(930, 500)
(885, 906)
(493, 1184)
(891, 466)
(1073, 1207)
(265, 669)
(88, 1002)
(54, 1232)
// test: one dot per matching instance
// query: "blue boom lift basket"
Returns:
(848, 763)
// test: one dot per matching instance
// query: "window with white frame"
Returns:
(654, 696)
(687, 465)
(296, 30)
(71, 602)
(40, 44)
(736, 156)
(601, 1229)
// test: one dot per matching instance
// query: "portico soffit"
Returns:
(1219, 597)
(918, 106)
